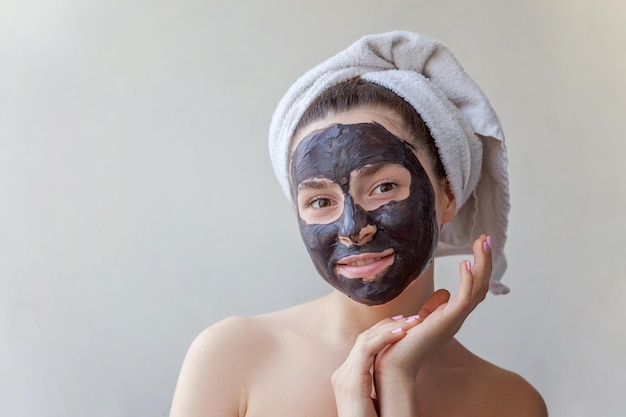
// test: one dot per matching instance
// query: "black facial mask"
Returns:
(408, 227)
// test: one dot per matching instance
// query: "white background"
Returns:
(138, 204)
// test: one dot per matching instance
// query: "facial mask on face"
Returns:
(405, 230)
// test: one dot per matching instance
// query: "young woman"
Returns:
(379, 158)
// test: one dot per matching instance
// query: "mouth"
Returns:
(366, 266)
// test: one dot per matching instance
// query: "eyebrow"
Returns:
(314, 183)
(370, 170)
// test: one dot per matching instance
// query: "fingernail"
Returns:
(398, 317)
(485, 247)
(411, 319)
(468, 265)
(489, 241)
(396, 331)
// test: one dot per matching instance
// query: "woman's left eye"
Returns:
(384, 188)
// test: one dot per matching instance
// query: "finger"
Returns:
(463, 296)
(369, 343)
(475, 277)
(481, 270)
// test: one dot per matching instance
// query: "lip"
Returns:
(365, 266)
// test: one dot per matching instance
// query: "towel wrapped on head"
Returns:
(461, 121)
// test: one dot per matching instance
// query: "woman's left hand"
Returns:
(440, 317)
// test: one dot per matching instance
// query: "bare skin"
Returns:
(336, 357)
(282, 364)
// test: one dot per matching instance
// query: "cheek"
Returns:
(319, 240)
(318, 237)
(395, 218)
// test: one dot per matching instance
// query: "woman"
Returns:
(391, 155)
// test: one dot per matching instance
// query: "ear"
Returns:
(448, 205)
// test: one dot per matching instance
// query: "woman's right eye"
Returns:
(320, 203)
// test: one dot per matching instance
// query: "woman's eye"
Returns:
(320, 203)
(384, 188)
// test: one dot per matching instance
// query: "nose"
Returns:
(354, 229)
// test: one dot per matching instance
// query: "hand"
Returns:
(440, 319)
(352, 382)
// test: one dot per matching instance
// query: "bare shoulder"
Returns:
(214, 374)
(483, 388)
(504, 392)
(224, 361)
(230, 335)
(511, 394)
(234, 346)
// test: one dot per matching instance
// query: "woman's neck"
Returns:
(348, 318)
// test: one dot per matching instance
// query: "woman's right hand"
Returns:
(352, 382)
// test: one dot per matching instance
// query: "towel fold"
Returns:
(463, 124)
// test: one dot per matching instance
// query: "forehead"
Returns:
(338, 150)
(350, 145)
(381, 115)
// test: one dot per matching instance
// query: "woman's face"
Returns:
(367, 204)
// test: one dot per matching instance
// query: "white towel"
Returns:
(465, 128)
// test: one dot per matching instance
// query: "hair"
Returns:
(360, 93)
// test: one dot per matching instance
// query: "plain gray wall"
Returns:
(138, 204)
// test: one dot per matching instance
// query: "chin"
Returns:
(374, 298)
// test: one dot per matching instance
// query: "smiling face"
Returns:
(366, 209)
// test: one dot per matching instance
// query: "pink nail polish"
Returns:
(489, 241)
(398, 317)
(485, 247)
(412, 319)
(468, 265)
(397, 331)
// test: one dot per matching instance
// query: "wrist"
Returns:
(397, 395)
(395, 377)
(389, 372)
